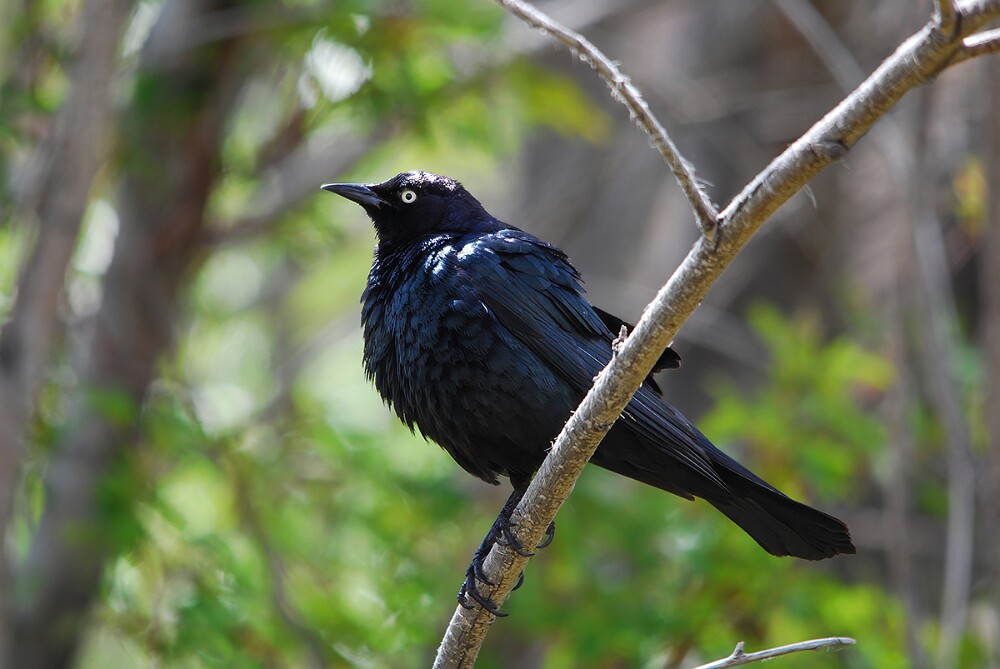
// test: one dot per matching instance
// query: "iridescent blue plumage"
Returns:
(478, 334)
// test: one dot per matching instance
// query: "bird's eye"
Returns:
(408, 196)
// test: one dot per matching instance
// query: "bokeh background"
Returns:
(194, 471)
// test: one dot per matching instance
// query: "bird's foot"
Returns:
(470, 590)
(512, 542)
(500, 533)
(506, 538)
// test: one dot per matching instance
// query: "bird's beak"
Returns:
(359, 193)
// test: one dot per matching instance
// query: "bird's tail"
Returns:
(781, 525)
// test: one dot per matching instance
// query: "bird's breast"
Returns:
(443, 362)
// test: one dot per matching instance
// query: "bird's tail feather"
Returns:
(781, 525)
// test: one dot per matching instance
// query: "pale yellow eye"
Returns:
(408, 196)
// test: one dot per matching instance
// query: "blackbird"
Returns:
(479, 334)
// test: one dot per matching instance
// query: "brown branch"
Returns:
(914, 62)
(161, 208)
(982, 44)
(897, 525)
(59, 198)
(939, 317)
(624, 90)
(945, 16)
(823, 40)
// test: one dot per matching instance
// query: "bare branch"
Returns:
(982, 44)
(739, 657)
(975, 14)
(945, 16)
(624, 90)
(914, 62)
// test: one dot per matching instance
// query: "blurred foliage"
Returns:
(811, 418)
(275, 514)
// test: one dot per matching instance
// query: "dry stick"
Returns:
(739, 657)
(625, 91)
(914, 62)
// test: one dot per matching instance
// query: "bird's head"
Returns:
(413, 204)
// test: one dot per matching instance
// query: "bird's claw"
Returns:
(478, 572)
(550, 534)
(470, 591)
(508, 539)
(501, 533)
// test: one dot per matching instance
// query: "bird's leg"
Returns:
(500, 533)
(475, 571)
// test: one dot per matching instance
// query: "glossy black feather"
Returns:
(478, 334)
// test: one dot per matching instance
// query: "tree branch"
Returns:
(914, 62)
(982, 44)
(739, 657)
(945, 15)
(623, 90)
(58, 197)
(291, 180)
(174, 138)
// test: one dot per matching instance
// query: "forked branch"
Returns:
(916, 61)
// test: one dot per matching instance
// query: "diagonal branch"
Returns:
(624, 90)
(914, 62)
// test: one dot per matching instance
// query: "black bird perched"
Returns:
(478, 333)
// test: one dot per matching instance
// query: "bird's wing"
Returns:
(669, 359)
(531, 289)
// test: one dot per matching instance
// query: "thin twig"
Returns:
(291, 180)
(739, 657)
(624, 90)
(980, 45)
